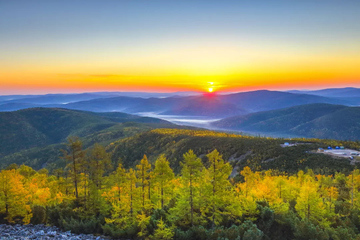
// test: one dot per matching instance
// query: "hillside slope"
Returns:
(264, 100)
(38, 127)
(313, 120)
(258, 153)
(128, 142)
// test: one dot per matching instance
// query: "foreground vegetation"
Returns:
(201, 202)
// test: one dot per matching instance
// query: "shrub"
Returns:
(115, 232)
(39, 215)
(87, 226)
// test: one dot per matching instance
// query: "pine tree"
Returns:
(99, 163)
(132, 190)
(219, 173)
(353, 182)
(75, 158)
(120, 180)
(163, 176)
(309, 205)
(188, 197)
(143, 175)
(162, 232)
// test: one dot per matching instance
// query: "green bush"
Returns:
(116, 232)
(39, 215)
(64, 217)
(57, 213)
(305, 230)
(87, 226)
(218, 233)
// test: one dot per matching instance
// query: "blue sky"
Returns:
(79, 36)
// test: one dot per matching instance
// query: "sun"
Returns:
(211, 87)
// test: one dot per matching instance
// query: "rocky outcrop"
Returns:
(40, 231)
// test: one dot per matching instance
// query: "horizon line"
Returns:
(174, 92)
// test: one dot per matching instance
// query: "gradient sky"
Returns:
(142, 45)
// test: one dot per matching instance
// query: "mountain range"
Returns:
(213, 105)
(327, 113)
(311, 120)
(348, 92)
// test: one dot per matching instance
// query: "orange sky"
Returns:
(279, 75)
(168, 46)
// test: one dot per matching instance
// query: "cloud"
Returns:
(104, 75)
(88, 75)
(70, 74)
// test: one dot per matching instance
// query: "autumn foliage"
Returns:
(202, 202)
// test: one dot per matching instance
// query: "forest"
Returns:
(200, 201)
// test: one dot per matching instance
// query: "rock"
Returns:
(40, 232)
(51, 233)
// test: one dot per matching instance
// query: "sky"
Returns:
(188, 45)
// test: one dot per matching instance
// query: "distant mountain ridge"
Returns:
(313, 120)
(264, 100)
(186, 106)
(348, 92)
(215, 106)
(75, 97)
(43, 126)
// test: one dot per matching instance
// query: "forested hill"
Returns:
(36, 136)
(38, 127)
(312, 120)
(258, 153)
(128, 142)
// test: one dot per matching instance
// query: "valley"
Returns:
(265, 113)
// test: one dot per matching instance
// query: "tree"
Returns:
(353, 182)
(74, 157)
(99, 163)
(14, 197)
(309, 205)
(188, 196)
(124, 202)
(132, 190)
(250, 178)
(218, 173)
(143, 175)
(38, 187)
(120, 180)
(331, 197)
(163, 176)
(162, 232)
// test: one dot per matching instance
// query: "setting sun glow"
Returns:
(166, 47)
